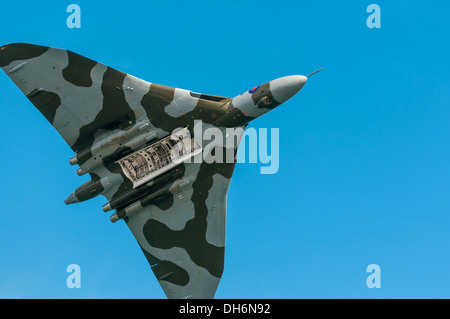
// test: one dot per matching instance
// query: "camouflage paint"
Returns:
(104, 114)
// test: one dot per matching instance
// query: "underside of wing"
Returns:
(137, 142)
(183, 234)
(78, 96)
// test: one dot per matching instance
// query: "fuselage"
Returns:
(170, 109)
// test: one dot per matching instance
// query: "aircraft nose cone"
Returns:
(286, 87)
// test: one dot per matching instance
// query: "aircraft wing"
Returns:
(181, 232)
(183, 235)
(78, 96)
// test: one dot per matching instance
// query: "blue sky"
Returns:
(364, 172)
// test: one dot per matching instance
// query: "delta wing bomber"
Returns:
(141, 143)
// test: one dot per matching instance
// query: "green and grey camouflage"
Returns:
(170, 191)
